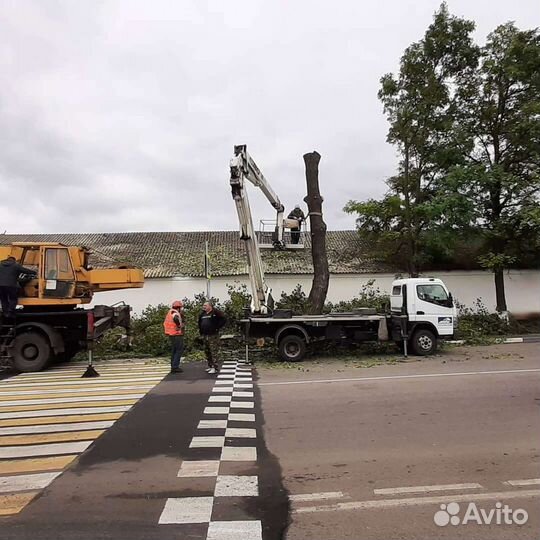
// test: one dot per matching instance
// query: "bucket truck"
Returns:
(421, 312)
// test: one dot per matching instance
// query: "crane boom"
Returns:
(243, 167)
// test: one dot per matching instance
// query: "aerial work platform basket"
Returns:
(267, 236)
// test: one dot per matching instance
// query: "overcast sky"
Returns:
(121, 115)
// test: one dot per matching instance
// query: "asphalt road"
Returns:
(373, 453)
(186, 461)
(325, 451)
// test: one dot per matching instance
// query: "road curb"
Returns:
(499, 341)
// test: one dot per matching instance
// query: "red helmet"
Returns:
(178, 304)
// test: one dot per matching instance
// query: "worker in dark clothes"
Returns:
(173, 326)
(10, 270)
(300, 217)
(211, 321)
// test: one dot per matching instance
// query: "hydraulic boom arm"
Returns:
(243, 167)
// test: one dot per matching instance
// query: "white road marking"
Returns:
(219, 399)
(389, 503)
(242, 405)
(79, 382)
(234, 530)
(241, 432)
(226, 376)
(397, 377)
(207, 442)
(216, 410)
(65, 379)
(233, 371)
(237, 486)
(25, 482)
(224, 383)
(102, 371)
(242, 394)
(223, 389)
(81, 399)
(193, 469)
(528, 482)
(239, 417)
(187, 510)
(242, 385)
(239, 453)
(61, 412)
(425, 489)
(67, 390)
(83, 364)
(55, 428)
(212, 424)
(303, 497)
(44, 449)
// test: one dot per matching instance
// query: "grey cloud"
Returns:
(121, 114)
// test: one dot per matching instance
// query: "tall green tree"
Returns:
(499, 117)
(420, 105)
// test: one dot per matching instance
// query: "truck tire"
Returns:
(292, 348)
(423, 342)
(31, 352)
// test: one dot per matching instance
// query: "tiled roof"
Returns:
(170, 254)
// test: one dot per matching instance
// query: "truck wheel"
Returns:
(31, 352)
(292, 348)
(423, 342)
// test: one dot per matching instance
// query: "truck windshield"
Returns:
(435, 294)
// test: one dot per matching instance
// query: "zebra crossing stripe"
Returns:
(109, 404)
(48, 419)
(27, 465)
(75, 426)
(14, 503)
(26, 482)
(43, 449)
(38, 421)
(11, 440)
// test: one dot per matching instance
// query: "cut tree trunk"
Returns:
(314, 200)
(500, 294)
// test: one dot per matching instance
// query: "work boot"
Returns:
(177, 370)
(211, 371)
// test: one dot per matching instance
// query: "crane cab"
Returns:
(63, 275)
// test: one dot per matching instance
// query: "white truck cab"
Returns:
(429, 306)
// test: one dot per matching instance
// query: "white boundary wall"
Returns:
(522, 288)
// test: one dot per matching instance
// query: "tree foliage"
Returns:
(420, 105)
(499, 115)
(465, 120)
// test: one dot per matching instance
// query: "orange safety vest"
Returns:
(170, 327)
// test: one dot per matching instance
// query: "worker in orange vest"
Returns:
(174, 328)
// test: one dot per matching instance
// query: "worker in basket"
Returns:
(299, 216)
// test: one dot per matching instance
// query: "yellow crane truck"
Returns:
(51, 322)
